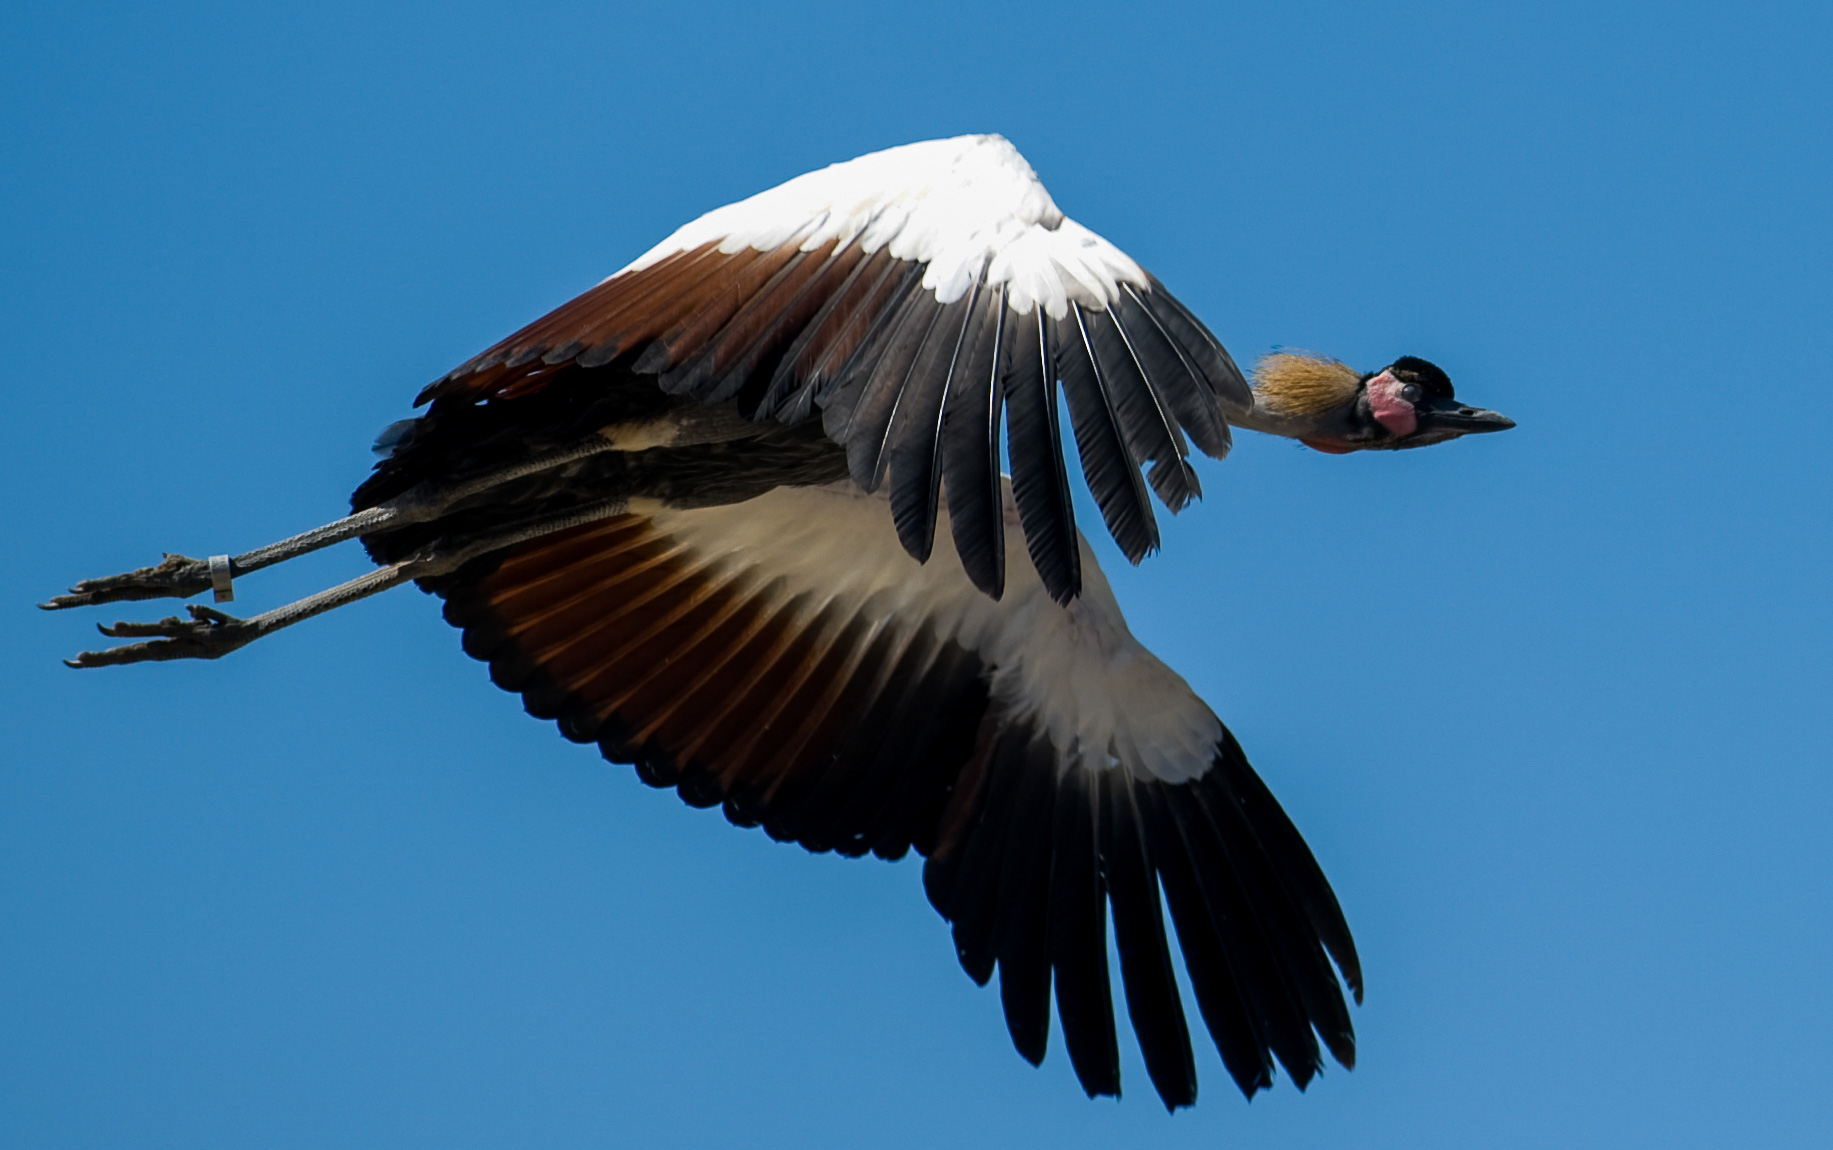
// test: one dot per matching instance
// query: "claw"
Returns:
(208, 634)
(177, 577)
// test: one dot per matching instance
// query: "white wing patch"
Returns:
(1075, 671)
(964, 207)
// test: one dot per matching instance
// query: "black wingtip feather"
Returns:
(1077, 929)
(1111, 470)
(970, 467)
(1189, 397)
(1151, 435)
(973, 902)
(1232, 1026)
(1294, 860)
(1040, 480)
(1200, 346)
(1024, 904)
(1139, 936)
(914, 439)
(1220, 837)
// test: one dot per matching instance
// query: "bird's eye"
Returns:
(1410, 393)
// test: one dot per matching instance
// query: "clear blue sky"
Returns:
(1552, 707)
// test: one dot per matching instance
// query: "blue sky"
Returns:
(1551, 707)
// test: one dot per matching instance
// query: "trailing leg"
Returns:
(180, 577)
(211, 634)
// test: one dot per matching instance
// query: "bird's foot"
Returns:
(176, 578)
(208, 634)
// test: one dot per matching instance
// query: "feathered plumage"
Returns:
(735, 515)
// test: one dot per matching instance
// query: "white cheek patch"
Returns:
(1388, 406)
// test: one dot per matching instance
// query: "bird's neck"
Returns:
(1303, 396)
(1274, 415)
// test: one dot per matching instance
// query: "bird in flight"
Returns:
(737, 516)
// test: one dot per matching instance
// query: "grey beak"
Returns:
(1450, 415)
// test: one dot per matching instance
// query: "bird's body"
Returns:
(736, 515)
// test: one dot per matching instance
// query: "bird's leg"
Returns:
(210, 634)
(180, 577)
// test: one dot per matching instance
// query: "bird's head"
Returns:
(1330, 406)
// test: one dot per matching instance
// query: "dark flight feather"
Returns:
(847, 340)
(1021, 942)
(1151, 435)
(1111, 470)
(794, 376)
(1291, 857)
(869, 396)
(1077, 927)
(1186, 392)
(1040, 480)
(1232, 1026)
(1139, 937)
(1200, 347)
(914, 448)
(1281, 1019)
(976, 498)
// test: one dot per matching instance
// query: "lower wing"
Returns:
(785, 659)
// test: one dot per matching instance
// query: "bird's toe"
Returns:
(207, 634)
(176, 577)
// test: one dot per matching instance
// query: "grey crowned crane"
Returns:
(736, 515)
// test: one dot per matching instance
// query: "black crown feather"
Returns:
(1428, 375)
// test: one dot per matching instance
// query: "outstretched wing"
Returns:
(915, 297)
(785, 659)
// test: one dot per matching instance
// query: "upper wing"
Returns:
(785, 659)
(915, 296)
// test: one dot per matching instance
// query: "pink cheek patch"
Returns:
(1394, 413)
